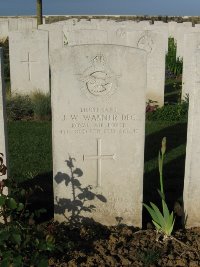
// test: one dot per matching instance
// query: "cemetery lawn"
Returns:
(30, 153)
(30, 149)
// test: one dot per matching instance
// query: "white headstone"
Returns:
(3, 29)
(20, 24)
(159, 23)
(172, 25)
(144, 23)
(187, 23)
(98, 109)
(180, 34)
(3, 128)
(191, 44)
(163, 29)
(154, 43)
(57, 38)
(191, 194)
(29, 61)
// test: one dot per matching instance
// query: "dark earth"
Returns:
(97, 245)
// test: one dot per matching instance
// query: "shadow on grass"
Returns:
(176, 135)
(41, 199)
(172, 92)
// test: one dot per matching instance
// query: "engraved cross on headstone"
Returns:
(99, 157)
(29, 61)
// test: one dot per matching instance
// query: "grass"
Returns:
(176, 138)
(30, 149)
(173, 91)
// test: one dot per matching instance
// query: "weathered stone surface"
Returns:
(154, 43)
(3, 128)
(57, 38)
(163, 29)
(191, 193)
(191, 43)
(3, 29)
(20, 24)
(180, 35)
(70, 32)
(158, 23)
(98, 108)
(29, 61)
(174, 26)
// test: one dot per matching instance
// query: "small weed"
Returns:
(41, 105)
(19, 107)
(149, 257)
(24, 107)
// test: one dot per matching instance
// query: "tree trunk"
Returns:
(39, 12)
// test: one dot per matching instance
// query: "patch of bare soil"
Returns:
(98, 245)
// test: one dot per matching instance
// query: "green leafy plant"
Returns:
(19, 107)
(41, 105)
(175, 112)
(174, 65)
(22, 242)
(163, 221)
(24, 107)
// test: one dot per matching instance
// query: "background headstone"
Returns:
(20, 24)
(181, 32)
(98, 115)
(57, 39)
(163, 29)
(191, 194)
(191, 44)
(3, 128)
(3, 29)
(29, 61)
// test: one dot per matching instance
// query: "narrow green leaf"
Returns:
(160, 220)
(172, 227)
(159, 162)
(163, 147)
(162, 195)
(165, 210)
(151, 212)
(158, 227)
